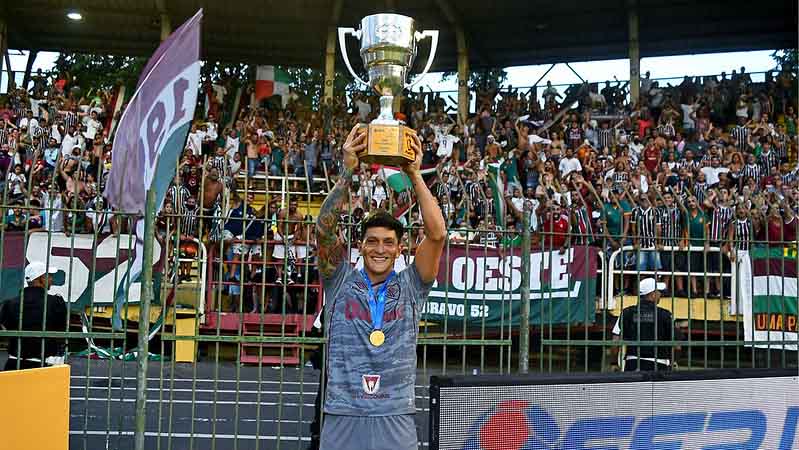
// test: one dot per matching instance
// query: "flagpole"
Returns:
(144, 319)
(524, 318)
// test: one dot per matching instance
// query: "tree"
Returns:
(308, 84)
(237, 74)
(482, 79)
(87, 71)
(786, 59)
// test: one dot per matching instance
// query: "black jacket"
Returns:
(33, 301)
(654, 323)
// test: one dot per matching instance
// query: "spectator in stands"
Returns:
(695, 234)
(699, 140)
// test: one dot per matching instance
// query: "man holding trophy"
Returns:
(372, 315)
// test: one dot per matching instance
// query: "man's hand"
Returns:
(413, 168)
(356, 141)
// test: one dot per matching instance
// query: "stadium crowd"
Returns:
(711, 162)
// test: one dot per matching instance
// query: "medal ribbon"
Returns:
(377, 303)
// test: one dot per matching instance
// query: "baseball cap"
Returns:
(36, 269)
(649, 285)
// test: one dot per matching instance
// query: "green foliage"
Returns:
(100, 71)
(787, 59)
(89, 71)
(236, 73)
(482, 79)
(308, 84)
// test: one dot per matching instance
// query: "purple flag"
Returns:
(151, 136)
(153, 129)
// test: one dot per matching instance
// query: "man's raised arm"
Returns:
(331, 248)
(435, 232)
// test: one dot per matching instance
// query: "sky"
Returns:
(660, 67)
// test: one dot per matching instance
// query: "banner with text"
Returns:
(88, 269)
(483, 287)
(770, 312)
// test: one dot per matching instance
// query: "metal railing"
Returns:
(450, 96)
(609, 296)
(508, 300)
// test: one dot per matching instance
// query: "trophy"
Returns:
(388, 48)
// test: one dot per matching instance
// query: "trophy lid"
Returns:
(388, 30)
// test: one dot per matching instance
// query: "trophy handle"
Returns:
(342, 42)
(433, 35)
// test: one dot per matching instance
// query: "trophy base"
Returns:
(388, 144)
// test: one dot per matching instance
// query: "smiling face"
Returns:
(740, 212)
(380, 247)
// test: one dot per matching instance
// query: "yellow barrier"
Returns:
(35, 411)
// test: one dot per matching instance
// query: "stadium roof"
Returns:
(500, 33)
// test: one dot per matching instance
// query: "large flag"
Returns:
(152, 134)
(498, 192)
(269, 81)
(395, 178)
(770, 312)
(154, 126)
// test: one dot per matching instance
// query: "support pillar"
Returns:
(330, 63)
(166, 26)
(634, 51)
(4, 52)
(463, 75)
(32, 54)
(12, 84)
(3, 40)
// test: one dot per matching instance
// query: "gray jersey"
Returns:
(364, 380)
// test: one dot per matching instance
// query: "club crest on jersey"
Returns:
(370, 383)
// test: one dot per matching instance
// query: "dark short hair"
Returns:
(383, 219)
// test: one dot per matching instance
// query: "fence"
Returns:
(230, 328)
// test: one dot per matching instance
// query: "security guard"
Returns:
(26, 352)
(647, 322)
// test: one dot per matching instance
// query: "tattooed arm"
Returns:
(332, 250)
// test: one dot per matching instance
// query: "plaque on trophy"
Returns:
(388, 48)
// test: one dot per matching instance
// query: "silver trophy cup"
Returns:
(388, 48)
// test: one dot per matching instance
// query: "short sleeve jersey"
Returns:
(364, 380)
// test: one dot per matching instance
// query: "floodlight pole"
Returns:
(463, 74)
(144, 320)
(634, 51)
(330, 62)
(330, 50)
(166, 22)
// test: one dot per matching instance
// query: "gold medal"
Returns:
(377, 338)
